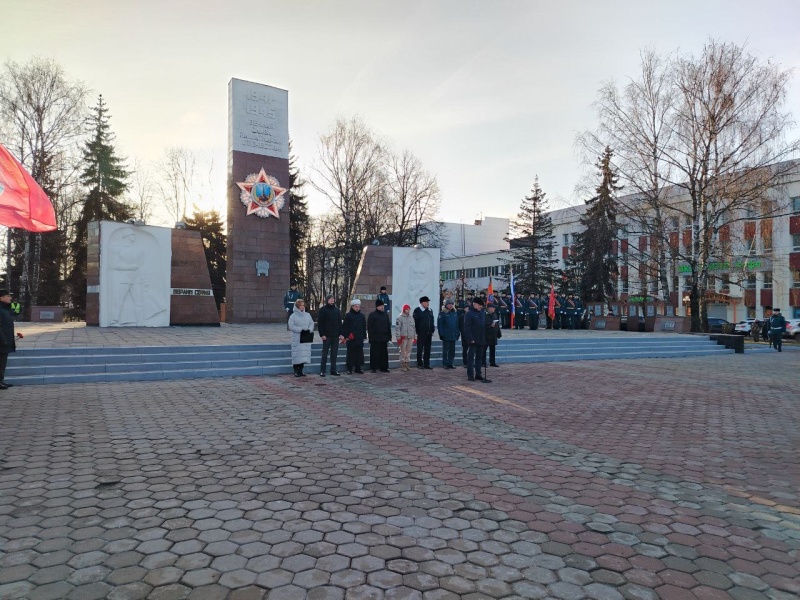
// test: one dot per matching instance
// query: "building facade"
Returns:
(756, 263)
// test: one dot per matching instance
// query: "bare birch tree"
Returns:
(176, 170)
(414, 201)
(709, 128)
(349, 172)
(43, 118)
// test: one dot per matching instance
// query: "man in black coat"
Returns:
(475, 336)
(354, 332)
(329, 325)
(423, 321)
(379, 331)
(8, 340)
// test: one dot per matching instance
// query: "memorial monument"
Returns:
(258, 212)
(407, 273)
(143, 276)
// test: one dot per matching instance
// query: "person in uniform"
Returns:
(16, 309)
(569, 312)
(534, 310)
(520, 311)
(289, 298)
(423, 322)
(503, 310)
(461, 312)
(387, 302)
(579, 313)
(777, 327)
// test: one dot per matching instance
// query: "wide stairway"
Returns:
(132, 363)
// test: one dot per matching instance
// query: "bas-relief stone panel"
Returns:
(415, 273)
(134, 275)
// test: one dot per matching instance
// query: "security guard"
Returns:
(289, 298)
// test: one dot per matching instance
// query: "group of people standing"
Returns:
(478, 329)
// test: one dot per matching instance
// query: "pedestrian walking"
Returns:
(777, 327)
(423, 322)
(302, 327)
(447, 324)
(406, 334)
(329, 325)
(354, 332)
(379, 332)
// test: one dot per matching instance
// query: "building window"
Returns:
(625, 285)
(566, 239)
(767, 280)
(796, 278)
(796, 242)
(751, 282)
(796, 205)
(687, 284)
(675, 223)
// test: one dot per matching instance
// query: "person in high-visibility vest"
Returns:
(16, 309)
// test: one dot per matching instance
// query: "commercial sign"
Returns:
(755, 264)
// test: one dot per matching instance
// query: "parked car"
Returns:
(716, 325)
(744, 327)
(792, 329)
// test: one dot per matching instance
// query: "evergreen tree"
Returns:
(596, 263)
(104, 175)
(299, 223)
(533, 244)
(211, 229)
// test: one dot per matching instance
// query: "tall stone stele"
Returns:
(258, 211)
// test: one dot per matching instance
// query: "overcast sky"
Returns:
(488, 94)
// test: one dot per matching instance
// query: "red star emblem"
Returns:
(262, 195)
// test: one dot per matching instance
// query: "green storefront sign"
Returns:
(749, 265)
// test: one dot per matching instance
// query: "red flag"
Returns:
(23, 203)
(490, 292)
(551, 305)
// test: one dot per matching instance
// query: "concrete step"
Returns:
(82, 365)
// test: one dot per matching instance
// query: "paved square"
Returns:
(610, 479)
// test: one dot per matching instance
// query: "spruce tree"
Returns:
(211, 229)
(533, 244)
(596, 263)
(299, 223)
(104, 176)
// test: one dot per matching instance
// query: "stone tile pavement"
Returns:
(638, 479)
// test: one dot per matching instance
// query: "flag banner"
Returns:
(23, 203)
(490, 292)
(551, 305)
(513, 300)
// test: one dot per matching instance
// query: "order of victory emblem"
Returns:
(262, 195)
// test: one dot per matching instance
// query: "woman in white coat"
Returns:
(300, 321)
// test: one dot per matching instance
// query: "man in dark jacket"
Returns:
(8, 340)
(492, 334)
(329, 324)
(379, 330)
(423, 321)
(354, 332)
(448, 332)
(777, 327)
(475, 336)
